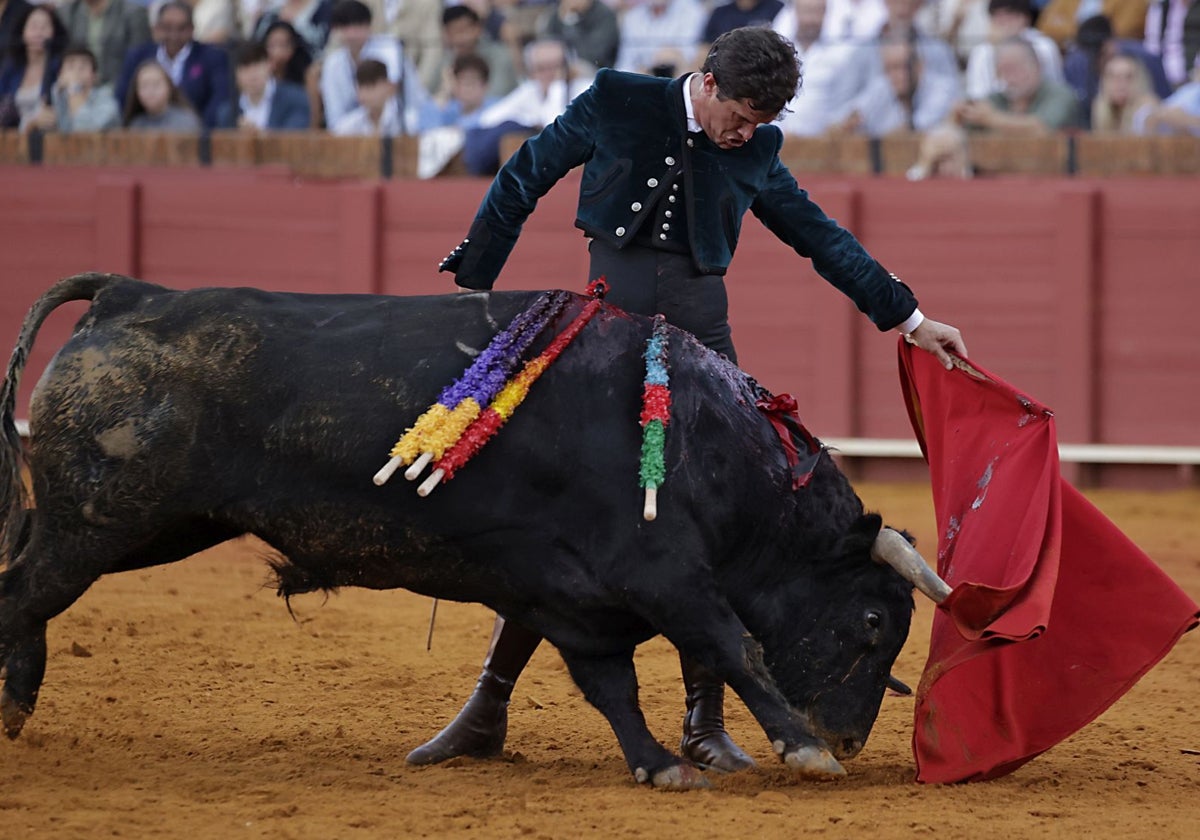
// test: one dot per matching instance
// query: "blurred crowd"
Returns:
(464, 73)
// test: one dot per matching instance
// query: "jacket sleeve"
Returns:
(791, 215)
(538, 165)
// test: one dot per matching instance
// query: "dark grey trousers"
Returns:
(647, 281)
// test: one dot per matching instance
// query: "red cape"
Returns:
(1055, 613)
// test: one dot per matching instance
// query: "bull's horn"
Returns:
(891, 548)
(897, 686)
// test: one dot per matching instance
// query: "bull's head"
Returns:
(843, 627)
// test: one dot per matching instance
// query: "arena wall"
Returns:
(1081, 292)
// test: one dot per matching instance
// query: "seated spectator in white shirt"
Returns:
(853, 20)
(350, 28)
(659, 37)
(834, 73)
(553, 82)
(79, 105)
(1009, 19)
(264, 103)
(378, 115)
(1179, 113)
(906, 97)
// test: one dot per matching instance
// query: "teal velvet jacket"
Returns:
(628, 131)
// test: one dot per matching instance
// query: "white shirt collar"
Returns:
(174, 66)
(693, 125)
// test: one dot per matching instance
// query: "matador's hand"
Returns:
(939, 339)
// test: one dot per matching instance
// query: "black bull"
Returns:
(172, 421)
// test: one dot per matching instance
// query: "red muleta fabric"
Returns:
(1055, 613)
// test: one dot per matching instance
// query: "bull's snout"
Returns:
(847, 748)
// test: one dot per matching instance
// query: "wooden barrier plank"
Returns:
(235, 148)
(1115, 154)
(899, 151)
(74, 149)
(14, 148)
(151, 148)
(1034, 154)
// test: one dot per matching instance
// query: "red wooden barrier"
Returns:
(1083, 292)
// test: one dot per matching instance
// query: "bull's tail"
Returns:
(13, 493)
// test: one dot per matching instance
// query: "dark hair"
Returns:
(370, 72)
(80, 51)
(133, 105)
(17, 52)
(1021, 7)
(176, 4)
(471, 61)
(453, 13)
(1092, 33)
(249, 53)
(349, 13)
(301, 58)
(755, 64)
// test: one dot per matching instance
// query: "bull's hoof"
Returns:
(675, 777)
(814, 763)
(13, 714)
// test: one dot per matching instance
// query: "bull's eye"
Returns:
(873, 618)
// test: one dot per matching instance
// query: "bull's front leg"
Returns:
(610, 684)
(723, 644)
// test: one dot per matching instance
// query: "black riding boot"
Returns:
(705, 741)
(480, 727)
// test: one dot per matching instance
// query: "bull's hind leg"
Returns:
(46, 579)
(610, 684)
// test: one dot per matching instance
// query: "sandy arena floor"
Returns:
(185, 702)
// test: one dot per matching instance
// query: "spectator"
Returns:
(853, 20)
(199, 71)
(553, 82)
(377, 113)
(262, 103)
(155, 104)
(905, 97)
(1124, 98)
(463, 34)
(1173, 34)
(588, 27)
(80, 102)
(110, 28)
(1094, 45)
(309, 18)
(1008, 19)
(901, 25)
(659, 37)
(737, 13)
(1060, 19)
(350, 28)
(834, 73)
(465, 99)
(10, 12)
(287, 52)
(962, 24)
(30, 67)
(418, 25)
(1028, 101)
(943, 153)
(1179, 113)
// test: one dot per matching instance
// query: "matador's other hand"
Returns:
(939, 339)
